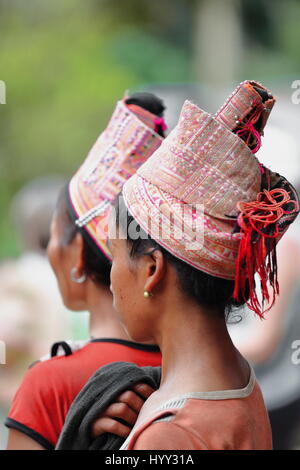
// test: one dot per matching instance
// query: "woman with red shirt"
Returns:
(81, 261)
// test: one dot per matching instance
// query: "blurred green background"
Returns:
(65, 62)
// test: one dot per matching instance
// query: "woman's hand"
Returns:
(127, 407)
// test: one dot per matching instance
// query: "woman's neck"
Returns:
(199, 355)
(103, 322)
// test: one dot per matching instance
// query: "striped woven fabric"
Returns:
(185, 196)
(204, 196)
(201, 166)
(240, 103)
(126, 143)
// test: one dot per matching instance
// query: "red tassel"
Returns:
(248, 130)
(258, 221)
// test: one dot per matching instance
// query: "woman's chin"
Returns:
(136, 336)
(74, 306)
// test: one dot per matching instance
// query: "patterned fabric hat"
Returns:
(197, 182)
(128, 140)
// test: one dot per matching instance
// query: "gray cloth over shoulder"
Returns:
(99, 392)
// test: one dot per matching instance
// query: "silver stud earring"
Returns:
(74, 278)
(147, 294)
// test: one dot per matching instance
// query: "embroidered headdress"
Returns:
(209, 160)
(128, 140)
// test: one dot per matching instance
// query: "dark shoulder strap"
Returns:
(65, 346)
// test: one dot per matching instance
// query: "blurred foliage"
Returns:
(65, 62)
(272, 37)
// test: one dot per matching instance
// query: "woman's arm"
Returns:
(19, 441)
(36, 412)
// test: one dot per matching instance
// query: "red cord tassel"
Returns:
(248, 129)
(258, 221)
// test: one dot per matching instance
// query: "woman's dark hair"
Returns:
(151, 103)
(96, 265)
(208, 291)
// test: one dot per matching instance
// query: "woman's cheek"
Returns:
(52, 253)
(112, 278)
(115, 285)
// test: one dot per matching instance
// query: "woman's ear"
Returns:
(155, 269)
